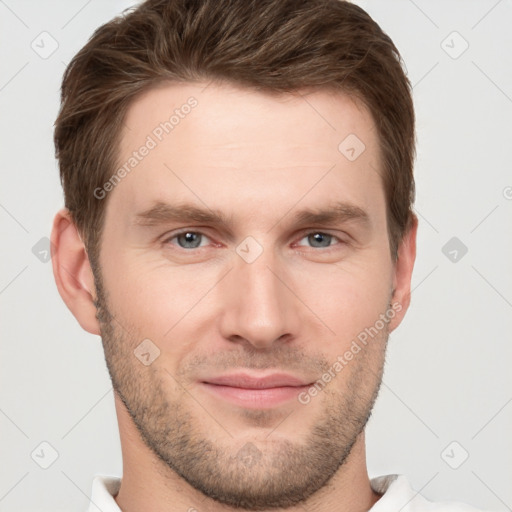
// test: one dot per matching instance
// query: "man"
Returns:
(239, 231)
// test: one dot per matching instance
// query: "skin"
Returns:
(258, 159)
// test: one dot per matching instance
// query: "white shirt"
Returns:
(398, 496)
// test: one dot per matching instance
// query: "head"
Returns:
(238, 189)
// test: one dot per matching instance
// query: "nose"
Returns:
(258, 305)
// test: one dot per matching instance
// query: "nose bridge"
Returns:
(259, 308)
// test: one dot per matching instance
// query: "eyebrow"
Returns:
(163, 213)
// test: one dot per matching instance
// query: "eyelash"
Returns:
(305, 234)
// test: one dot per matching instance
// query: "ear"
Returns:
(72, 271)
(402, 274)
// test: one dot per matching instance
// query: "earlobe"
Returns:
(403, 273)
(72, 271)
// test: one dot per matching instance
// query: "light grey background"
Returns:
(447, 375)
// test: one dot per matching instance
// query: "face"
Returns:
(249, 255)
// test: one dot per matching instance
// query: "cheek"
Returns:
(154, 299)
(348, 297)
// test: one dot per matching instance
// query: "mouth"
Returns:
(255, 392)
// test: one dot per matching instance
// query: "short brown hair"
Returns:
(274, 46)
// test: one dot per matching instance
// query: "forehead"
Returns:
(227, 114)
(234, 146)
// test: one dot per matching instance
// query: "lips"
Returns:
(255, 391)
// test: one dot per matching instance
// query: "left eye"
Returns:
(320, 240)
(188, 239)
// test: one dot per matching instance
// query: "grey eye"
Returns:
(189, 240)
(319, 239)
